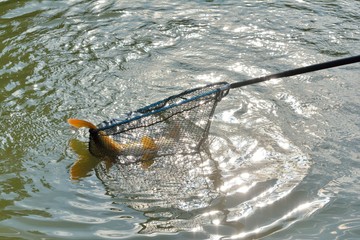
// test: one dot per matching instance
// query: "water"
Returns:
(284, 155)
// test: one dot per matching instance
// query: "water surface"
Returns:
(283, 156)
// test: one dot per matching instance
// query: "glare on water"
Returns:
(281, 156)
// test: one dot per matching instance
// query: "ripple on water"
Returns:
(97, 59)
(246, 180)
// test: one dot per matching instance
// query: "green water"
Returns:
(284, 155)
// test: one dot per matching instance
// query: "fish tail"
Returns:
(81, 123)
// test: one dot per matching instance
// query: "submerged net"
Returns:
(185, 182)
(177, 124)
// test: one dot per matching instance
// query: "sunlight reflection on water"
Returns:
(278, 152)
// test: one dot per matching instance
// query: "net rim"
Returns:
(144, 111)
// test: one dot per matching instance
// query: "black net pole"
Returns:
(297, 71)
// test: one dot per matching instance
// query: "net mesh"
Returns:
(185, 182)
(177, 124)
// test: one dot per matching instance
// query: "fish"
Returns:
(103, 145)
(104, 148)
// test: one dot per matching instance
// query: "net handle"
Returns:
(297, 71)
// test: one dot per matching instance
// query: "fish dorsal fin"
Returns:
(148, 143)
(81, 123)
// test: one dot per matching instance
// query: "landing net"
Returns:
(177, 124)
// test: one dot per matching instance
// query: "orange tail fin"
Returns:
(80, 123)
